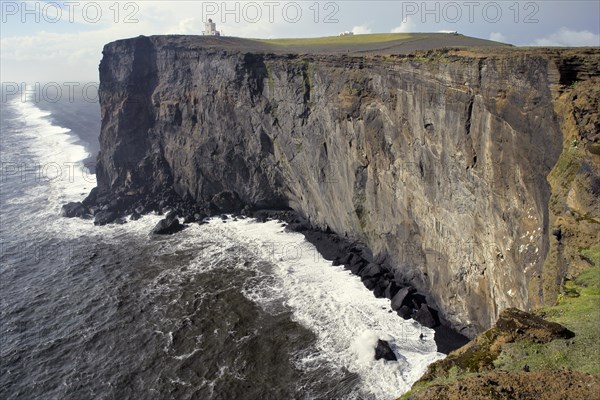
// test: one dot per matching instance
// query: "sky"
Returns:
(61, 41)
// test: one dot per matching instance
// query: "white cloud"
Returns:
(74, 55)
(498, 37)
(361, 30)
(190, 26)
(72, 48)
(406, 26)
(567, 38)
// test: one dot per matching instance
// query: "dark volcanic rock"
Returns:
(199, 216)
(71, 210)
(357, 264)
(379, 290)
(447, 339)
(92, 199)
(415, 300)
(391, 290)
(399, 299)
(329, 246)
(105, 217)
(372, 270)
(529, 325)
(171, 214)
(345, 259)
(227, 201)
(405, 312)
(167, 226)
(427, 316)
(383, 350)
(120, 204)
(370, 283)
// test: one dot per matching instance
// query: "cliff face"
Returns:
(437, 162)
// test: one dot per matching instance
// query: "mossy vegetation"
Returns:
(453, 375)
(270, 80)
(310, 70)
(274, 106)
(566, 168)
(578, 309)
(309, 86)
(592, 255)
(351, 89)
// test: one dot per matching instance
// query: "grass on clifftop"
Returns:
(340, 40)
(578, 309)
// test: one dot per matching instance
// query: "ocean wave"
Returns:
(52, 168)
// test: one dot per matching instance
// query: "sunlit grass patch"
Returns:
(340, 40)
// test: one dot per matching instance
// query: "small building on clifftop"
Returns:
(210, 29)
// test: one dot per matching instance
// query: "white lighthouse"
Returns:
(210, 28)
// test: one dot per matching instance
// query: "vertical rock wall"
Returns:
(438, 163)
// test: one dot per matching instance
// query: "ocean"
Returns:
(232, 309)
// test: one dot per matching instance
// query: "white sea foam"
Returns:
(57, 174)
(328, 300)
(334, 304)
(346, 318)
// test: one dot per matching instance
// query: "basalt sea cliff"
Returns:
(439, 161)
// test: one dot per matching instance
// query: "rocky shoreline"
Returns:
(356, 257)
